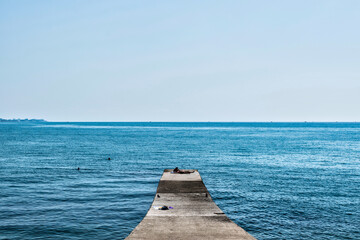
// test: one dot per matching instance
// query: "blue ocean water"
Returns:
(276, 180)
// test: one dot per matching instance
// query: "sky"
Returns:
(180, 60)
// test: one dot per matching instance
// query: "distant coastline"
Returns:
(22, 120)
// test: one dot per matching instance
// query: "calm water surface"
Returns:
(276, 180)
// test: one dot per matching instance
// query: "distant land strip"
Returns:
(22, 120)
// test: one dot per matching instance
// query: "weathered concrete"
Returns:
(194, 215)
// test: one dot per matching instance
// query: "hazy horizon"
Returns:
(46, 120)
(180, 61)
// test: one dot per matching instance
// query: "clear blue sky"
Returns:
(180, 60)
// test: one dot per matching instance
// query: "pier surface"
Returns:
(193, 214)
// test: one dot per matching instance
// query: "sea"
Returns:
(275, 180)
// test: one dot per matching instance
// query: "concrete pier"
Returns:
(192, 213)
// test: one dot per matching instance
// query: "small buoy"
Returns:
(78, 169)
(109, 158)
